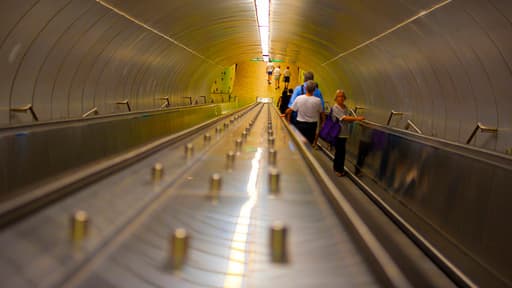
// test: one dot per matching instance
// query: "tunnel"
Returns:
(85, 85)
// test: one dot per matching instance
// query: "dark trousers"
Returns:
(293, 118)
(307, 129)
(339, 155)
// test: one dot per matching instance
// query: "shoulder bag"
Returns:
(330, 130)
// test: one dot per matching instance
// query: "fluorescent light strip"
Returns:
(263, 14)
(422, 13)
(262, 11)
(264, 34)
(154, 30)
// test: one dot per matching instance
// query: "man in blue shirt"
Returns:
(301, 90)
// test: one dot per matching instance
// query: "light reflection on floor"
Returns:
(238, 253)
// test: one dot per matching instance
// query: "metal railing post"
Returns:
(125, 102)
(393, 113)
(410, 124)
(483, 129)
(358, 108)
(167, 102)
(26, 108)
(92, 111)
(189, 98)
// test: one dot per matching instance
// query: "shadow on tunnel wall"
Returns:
(456, 196)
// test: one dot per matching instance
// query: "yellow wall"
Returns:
(222, 86)
(251, 81)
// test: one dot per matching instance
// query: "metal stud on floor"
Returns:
(189, 150)
(273, 180)
(207, 138)
(272, 157)
(271, 141)
(226, 125)
(238, 145)
(278, 239)
(79, 225)
(218, 129)
(244, 135)
(179, 247)
(215, 185)
(157, 171)
(230, 160)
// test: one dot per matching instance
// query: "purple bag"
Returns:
(330, 130)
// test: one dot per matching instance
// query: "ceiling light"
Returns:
(263, 15)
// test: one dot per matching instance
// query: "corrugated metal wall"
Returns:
(446, 64)
(447, 70)
(66, 57)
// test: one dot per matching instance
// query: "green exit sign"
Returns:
(261, 59)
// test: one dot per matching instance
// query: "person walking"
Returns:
(269, 69)
(282, 104)
(300, 90)
(310, 113)
(286, 75)
(277, 76)
(341, 113)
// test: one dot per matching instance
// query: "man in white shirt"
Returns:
(270, 69)
(309, 112)
(286, 75)
(277, 76)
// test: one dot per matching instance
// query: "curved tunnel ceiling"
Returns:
(446, 64)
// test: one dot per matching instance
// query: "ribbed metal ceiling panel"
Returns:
(445, 63)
